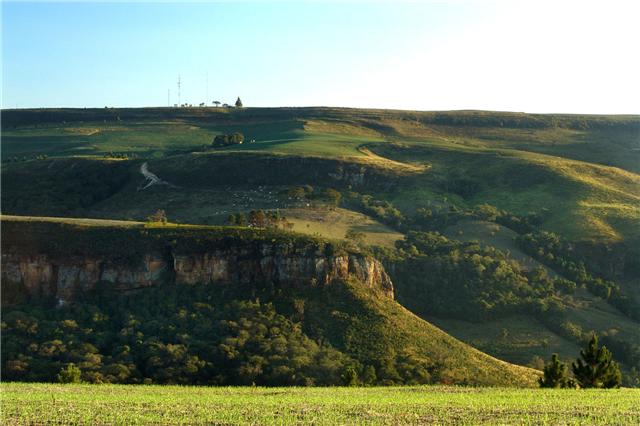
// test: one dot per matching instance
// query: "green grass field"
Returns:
(138, 404)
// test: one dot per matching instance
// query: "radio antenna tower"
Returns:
(179, 104)
(168, 97)
(206, 99)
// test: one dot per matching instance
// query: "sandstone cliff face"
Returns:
(42, 275)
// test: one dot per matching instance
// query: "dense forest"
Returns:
(173, 334)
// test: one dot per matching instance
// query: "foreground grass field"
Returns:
(24, 403)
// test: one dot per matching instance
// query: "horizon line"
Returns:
(231, 107)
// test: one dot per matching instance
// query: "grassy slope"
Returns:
(587, 201)
(328, 223)
(335, 223)
(409, 335)
(117, 404)
(71, 221)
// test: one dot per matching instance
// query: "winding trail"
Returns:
(151, 178)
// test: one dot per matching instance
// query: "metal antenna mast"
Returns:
(168, 97)
(206, 99)
(179, 104)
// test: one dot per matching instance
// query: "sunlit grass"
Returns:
(137, 404)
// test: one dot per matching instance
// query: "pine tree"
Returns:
(238, 102)
(555, 374)
(596, 369)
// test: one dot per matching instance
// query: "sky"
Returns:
(538, 56)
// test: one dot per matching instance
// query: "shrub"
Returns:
(69, 374)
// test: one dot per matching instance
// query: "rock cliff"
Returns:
(41, 274)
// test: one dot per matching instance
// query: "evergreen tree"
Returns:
(555, 374)
(596, 369)
(238, 103)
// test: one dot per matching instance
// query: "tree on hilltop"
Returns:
(596, 369)
(238, 103)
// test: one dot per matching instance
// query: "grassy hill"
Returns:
(519, 162)
(397, 172)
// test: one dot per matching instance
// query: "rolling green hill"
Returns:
(397, 172)
(518, 162)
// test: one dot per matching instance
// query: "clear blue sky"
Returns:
(535, 57)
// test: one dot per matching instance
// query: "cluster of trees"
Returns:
(238, 104)
(469, 281)
(260, 219)
(120, 155)
(553, 251)
(330, 196)
(227, 140)
(299, 193)
(439, 217)
(519, 224)
(166, 335)
(594, 369)
(380, 209)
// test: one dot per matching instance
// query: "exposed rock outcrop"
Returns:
(65, 278)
